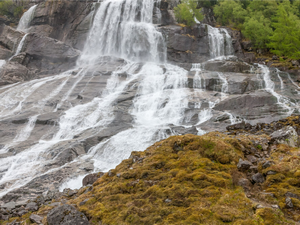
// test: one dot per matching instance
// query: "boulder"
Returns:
(286, 135)
(32, 206)
(258, 178)
(36, 219)
(243, 165)
(9, 206)
(91, 178)
(66, 215)
(288, 202)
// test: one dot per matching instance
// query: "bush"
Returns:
(187, 11)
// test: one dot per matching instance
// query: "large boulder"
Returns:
(286, 135)
(66, 215)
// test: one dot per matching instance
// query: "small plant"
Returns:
(187, 12)
(259, 147)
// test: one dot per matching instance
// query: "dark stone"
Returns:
(66, 215)
(292, 195)
(69, 192)
(91, 178)
(243, 165)
(288, 202)
(258, 178)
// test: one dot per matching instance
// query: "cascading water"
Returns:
(124, 29)
(154, 98)
(26, 19)
(220, 43)
(20, 46)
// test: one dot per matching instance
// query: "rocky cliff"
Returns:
(77, 99)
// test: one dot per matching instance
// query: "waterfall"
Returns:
(220, 43)
(197, 81)
(20, 46)
(26, 19)
(270, 87)
(124, 29)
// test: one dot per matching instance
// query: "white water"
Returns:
(160, 103)
(124, 29)
(220, 43)
(270, 87)
(20, 46)
(26, 19)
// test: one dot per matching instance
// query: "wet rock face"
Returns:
(67, 21)
(66, 215)
(186, 45)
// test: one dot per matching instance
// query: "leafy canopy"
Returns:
(187, 11)
(286, 38)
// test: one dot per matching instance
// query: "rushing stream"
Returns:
(152, 97)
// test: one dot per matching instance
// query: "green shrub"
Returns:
(10, 9)
(187, 11)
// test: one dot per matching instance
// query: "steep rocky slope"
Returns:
(238, 177)
(71, 105)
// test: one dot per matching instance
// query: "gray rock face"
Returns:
(258, 178)
(67, 21)
(287, 135)
(186, 45)
(66, 215)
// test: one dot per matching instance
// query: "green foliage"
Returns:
(10, 9)
(187, 11)
(258, 30)
(268, 24)
(230, 12)
(285, 40)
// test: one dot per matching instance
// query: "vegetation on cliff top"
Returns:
(272, 25)
(268, 24)
(11, 9)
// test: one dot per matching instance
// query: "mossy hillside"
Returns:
(181, 180)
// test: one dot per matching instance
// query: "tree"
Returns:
(230, 12)
(258, 30)
(187, 11)
(206, 3)
(285, 40)
(10, 9)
